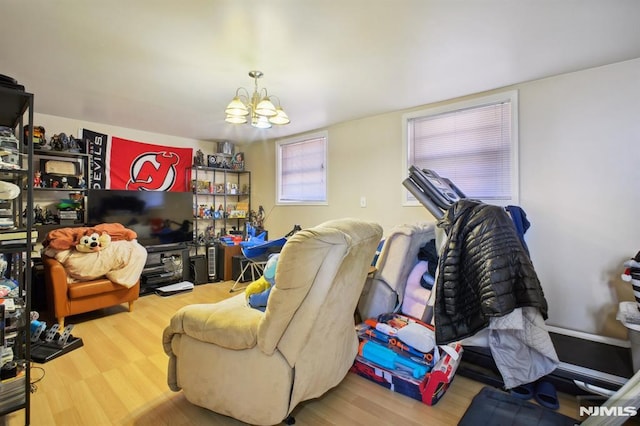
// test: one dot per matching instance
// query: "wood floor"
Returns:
(119, 378)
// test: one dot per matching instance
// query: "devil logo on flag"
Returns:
(153, 171)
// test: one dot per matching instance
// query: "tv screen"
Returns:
(158, 217)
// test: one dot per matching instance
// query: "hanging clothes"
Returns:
(519, 218)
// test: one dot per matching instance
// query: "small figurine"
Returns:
(208, 214)
(48, 217)
(56, 143)
(65, 182)
(37, 179)
(38, 214)
(198, 160)
(260, 217)
(64, 140)
(74, 144)
(46, 144)
(82, 184)
(38, 135)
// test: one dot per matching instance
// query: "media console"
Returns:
(166, 264)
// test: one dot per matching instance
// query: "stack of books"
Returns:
(17, 237)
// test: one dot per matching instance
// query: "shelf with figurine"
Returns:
(219, 161)
(67, 212)
(232, 211)
(65, 167)
(59, 144)
(203, 187)
(50, 182)
(60, 179)
(221, 189)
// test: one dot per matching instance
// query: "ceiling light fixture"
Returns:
(257, 109)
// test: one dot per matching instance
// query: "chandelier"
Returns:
(257, 109)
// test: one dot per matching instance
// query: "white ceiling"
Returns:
(170, 67)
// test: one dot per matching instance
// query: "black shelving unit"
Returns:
(16, 113)
(218, 190)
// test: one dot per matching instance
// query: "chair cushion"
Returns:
(230, 323)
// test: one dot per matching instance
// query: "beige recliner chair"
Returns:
(385, 289)
(257, 366)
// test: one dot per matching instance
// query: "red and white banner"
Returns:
(141, 166)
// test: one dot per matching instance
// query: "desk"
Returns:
(227, 260)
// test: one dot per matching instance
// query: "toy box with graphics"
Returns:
(405, 374)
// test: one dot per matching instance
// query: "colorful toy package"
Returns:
(403, 360)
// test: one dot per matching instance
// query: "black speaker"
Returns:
(198, 269)
(213, 260)
(38, 289)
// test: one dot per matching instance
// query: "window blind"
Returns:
(303, 171)
(471, 146)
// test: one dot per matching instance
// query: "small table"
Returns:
(227, 258)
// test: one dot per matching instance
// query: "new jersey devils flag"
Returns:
(137, 166)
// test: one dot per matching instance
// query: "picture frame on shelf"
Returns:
(60, 167)
(237, 163)
(226, 147)
(201, 186)
(212, 161)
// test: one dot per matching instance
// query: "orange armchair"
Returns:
(66, 299)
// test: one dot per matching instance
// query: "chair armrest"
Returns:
(56, 280)
(230, 324)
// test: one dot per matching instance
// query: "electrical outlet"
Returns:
(363, 201)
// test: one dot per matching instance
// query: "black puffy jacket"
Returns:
(484, 271)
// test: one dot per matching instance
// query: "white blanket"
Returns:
(121, 262)
(521, 347)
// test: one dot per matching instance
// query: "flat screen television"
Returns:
(160, 218)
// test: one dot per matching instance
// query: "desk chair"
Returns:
(255, 258)
(254, 264)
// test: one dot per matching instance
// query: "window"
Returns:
(301, 170)
(472, 143)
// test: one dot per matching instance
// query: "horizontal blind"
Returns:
(471, 147)
(303, 171)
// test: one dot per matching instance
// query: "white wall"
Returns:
(580, 170)
(580, 185)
